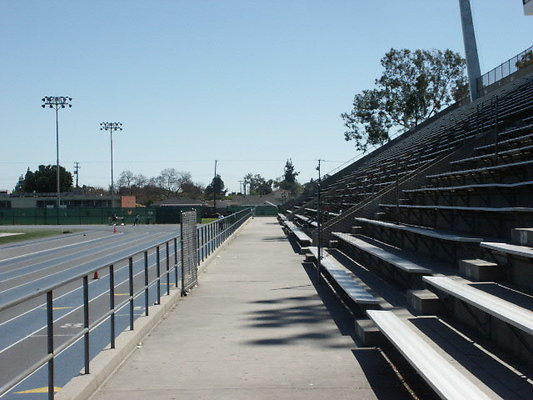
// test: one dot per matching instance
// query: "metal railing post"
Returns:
(112, 303)
(86, 339)
(146, 289)
(176, 261)
(158, 267)
(50, 342)
(167, 248)
(130, 268)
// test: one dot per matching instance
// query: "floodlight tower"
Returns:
(57, 102)
(469, 38)
(111, 127)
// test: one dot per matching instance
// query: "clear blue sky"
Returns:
(250, 83)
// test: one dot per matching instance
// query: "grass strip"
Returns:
(30, 234)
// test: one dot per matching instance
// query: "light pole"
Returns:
(57, 102)
(214, 188)
(111, 127)
(319, 222)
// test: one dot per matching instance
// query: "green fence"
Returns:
(74, 216)
(99, 216)
(171, 215)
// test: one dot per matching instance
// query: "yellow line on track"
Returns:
(39, 390)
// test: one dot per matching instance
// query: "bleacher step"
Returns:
(424, 302)
(357, 229)
(358, 293)
(508, 312)
(383, 254)
(368, 332)
(506, 248)
(480, 270)
(522, 236)
(438, 372)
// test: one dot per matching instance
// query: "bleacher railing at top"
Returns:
(502, 71)
(506, 68)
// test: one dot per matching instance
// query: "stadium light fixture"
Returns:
(57, 102)
(111, 127)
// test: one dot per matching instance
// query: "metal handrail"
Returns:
(503, 70)
(209, 239)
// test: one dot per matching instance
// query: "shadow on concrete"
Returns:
(492, 373)
(306, 311)
(275, 239)
(342, 317)
(377, 371)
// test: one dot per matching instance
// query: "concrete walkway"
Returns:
(255, 328)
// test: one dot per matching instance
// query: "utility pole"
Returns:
(469, 38)
(77, 172)
(214, 188)
(319, 223)
(241, 186)
(57, 102)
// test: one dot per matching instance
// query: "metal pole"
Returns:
(146, 290)
(57, 102)
(130, 270)
(469, 38)
(167, 248)
(319, 223)
(112, 303)
(214, 190)
(57, 162)
(111, 127)
(176, 261)
(112, 180)
(183, 293)
(50, 341)
(158, 270)
(86, 338)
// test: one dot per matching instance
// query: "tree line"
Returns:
(169, 183)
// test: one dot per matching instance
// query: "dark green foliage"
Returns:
(525, 61)
(44, 180)
(289, 178)
(216, 186)
(257, 185)
(414, 86)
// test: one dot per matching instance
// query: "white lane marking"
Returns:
(70, 325)
(70, 312)
(65, 335)
(52, 266)
(36, 263)
(53, 248)
(43, 305)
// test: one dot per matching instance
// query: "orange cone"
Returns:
(95, 275)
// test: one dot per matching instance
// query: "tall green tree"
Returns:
(257, 185)
(414, 86)
(289, 178)
(217, 187)
(44, 180)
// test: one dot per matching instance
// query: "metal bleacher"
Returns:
(444, 216)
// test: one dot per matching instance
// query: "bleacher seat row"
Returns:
(429, 242)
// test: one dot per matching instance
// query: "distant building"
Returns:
(180, 202)
(68, 200)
